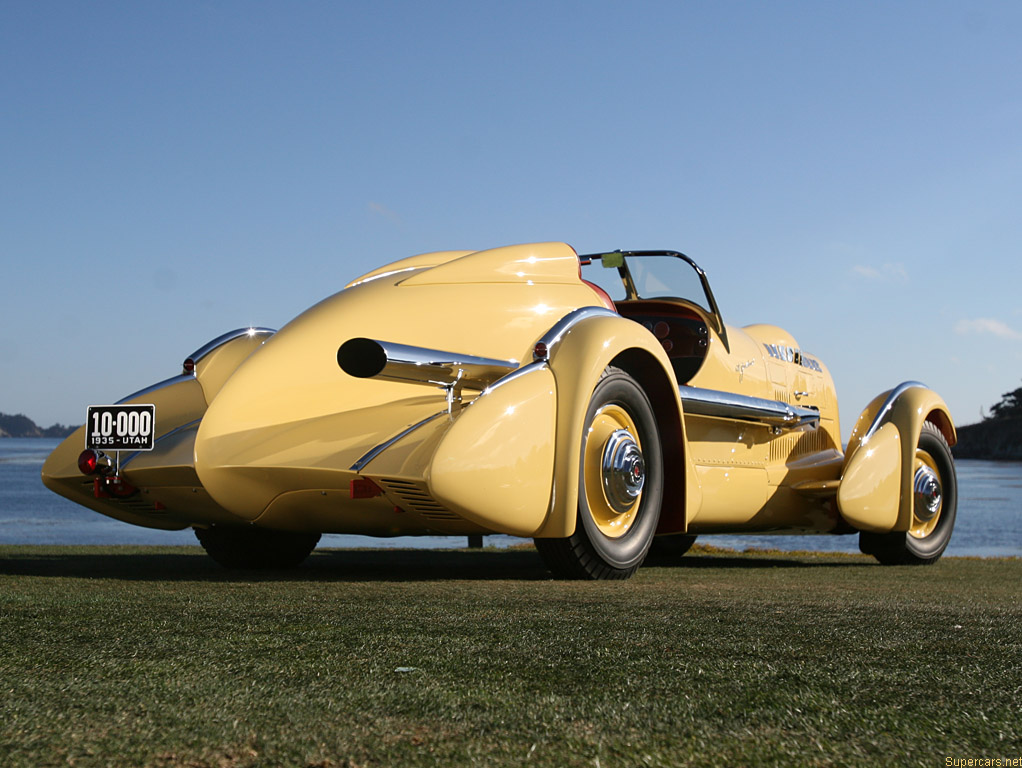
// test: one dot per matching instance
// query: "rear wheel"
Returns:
(935, 503)
(671, 547)
(620, 486)
(237, 547)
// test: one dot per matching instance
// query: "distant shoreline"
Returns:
(20, 425)
(43, 436)
(992, 440)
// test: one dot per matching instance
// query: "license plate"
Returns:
(121, 427)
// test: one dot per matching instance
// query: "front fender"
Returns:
(577, 359)
(876, 483)
(494, 465)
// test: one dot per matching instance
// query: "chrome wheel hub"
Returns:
(623, 470)
(927, 494)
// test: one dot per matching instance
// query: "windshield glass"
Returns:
(654, 276)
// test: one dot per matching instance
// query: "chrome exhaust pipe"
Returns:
(369, 358)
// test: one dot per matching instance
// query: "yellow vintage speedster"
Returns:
(503, 391)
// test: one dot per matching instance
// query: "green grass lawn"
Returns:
(158, 657)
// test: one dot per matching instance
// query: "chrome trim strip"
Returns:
(182, 428)
(727, 405)
(368, 358)
(557, 331)
(363, 281)
(159, 385)
(374, 452)
(515, 374)
(219, 341)
(885, 410)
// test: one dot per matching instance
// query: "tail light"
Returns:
(88, 462)
(364, 488)
(113, 488)
(105, 483)
(92, 462)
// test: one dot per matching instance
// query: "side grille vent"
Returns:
(135, 504)
(415, 497)
(794, 446)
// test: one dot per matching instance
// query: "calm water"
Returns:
(989, 514)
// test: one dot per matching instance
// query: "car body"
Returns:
(597, 404)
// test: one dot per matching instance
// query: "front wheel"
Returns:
(935, 503)
(620, 486)
(250, 547)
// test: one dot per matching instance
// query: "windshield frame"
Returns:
(633, 295)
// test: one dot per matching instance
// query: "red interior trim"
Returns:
(604, 296)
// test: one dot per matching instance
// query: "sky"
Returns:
(850, 171)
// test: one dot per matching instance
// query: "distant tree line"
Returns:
(21, 425)
(1010, 406)
(998, 436)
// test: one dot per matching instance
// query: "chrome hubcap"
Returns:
(623, 470)
(927, 494)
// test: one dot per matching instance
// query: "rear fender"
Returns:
(578, 352)
(876, 484)
(214, 363)
(178, 402)
(172, 495)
